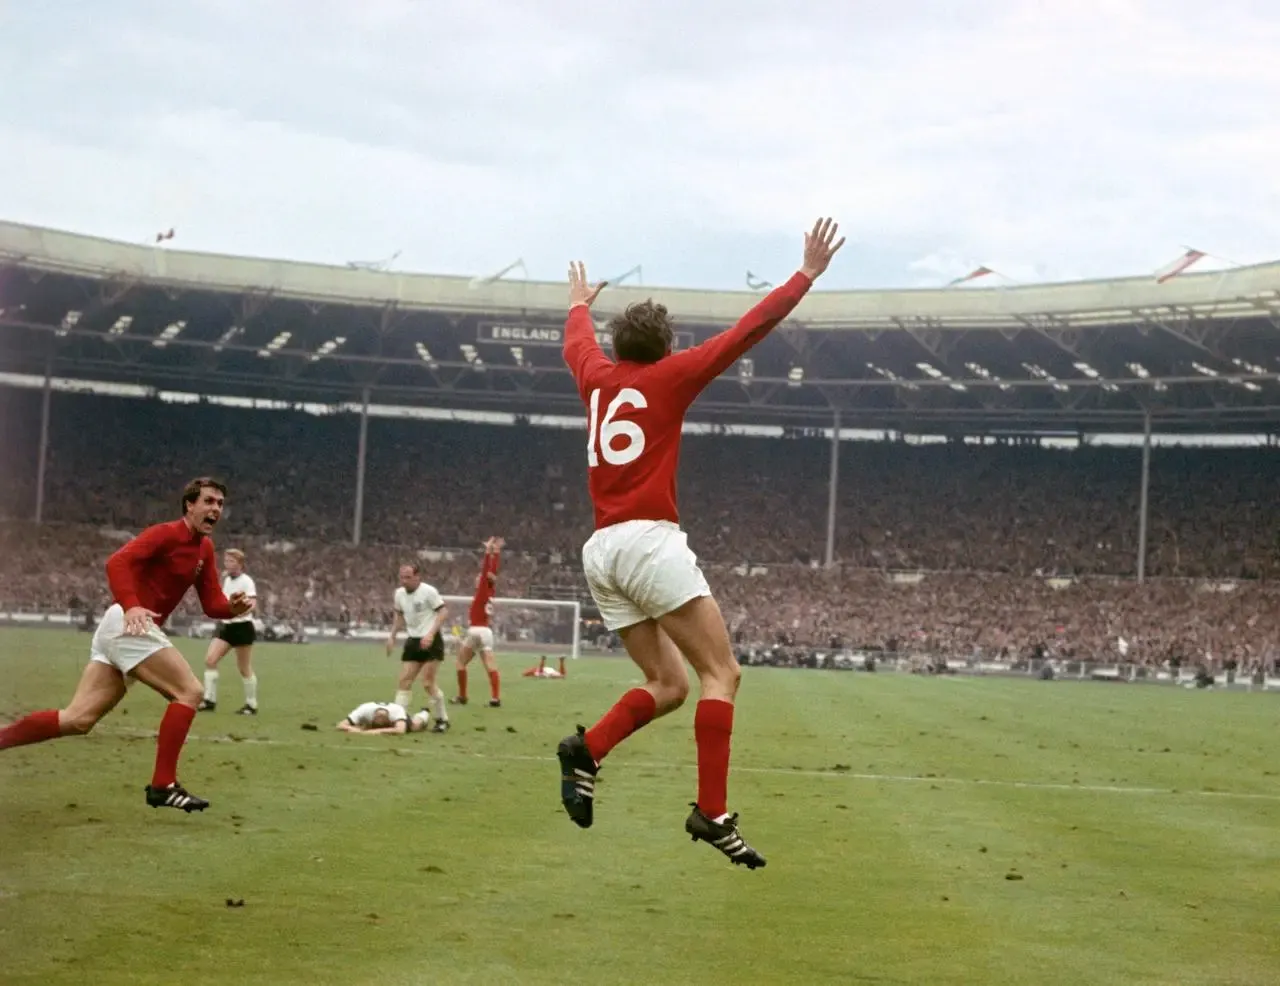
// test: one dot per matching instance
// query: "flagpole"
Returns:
(476, 282)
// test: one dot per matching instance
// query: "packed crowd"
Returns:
(1011, 509)
(995, 616)
(986, 523)
(958, 615)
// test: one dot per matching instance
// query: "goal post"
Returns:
(544, 626)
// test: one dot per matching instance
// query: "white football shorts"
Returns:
(479, 639)
(640, 570)
(124, 653)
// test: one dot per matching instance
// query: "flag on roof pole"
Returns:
(374, 265)
(1179, 265)
(973, 275)
(517, 264)
(637, 271)
(757, 283)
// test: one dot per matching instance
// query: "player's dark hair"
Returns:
(642, 333)
(191, 493)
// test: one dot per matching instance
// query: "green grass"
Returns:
(446, 859)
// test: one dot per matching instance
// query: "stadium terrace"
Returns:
(1198, 353)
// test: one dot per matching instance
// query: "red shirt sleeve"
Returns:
(492, 563)
(581, 349)
(694, 368)
(212, 600)
(122, 566)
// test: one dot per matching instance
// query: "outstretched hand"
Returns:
(580, 292)
(820, 245)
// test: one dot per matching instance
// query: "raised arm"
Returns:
(696, 367)
(582, 352)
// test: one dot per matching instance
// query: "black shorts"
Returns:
(237, 634)
(414, 651)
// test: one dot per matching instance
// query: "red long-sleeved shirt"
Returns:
(480, 602)
(635, 410)
(156, 569)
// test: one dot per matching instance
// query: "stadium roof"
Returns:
(1198, 352)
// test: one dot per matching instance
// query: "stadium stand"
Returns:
(1012, 509)
(956, 548)
(981, 527)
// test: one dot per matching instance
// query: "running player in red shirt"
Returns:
(148, 578)
(641, 572)
(479, 634)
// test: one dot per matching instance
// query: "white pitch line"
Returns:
(781, 771)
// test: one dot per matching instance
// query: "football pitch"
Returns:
(918, 830)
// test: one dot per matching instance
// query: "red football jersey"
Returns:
(157, 568)
(482, 600)
(635, 410)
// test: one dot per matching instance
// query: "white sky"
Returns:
(1050, 140)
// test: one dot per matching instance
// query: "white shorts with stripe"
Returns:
(113, 647)
(640, 570)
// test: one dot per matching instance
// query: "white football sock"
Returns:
(251, 691)
(437, 704)
(403, 699)
(211, 686)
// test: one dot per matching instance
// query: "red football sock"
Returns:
(494, 685)
(712, 730)
(633, 710)
(462, 682)
(173, 733)
(35, 728)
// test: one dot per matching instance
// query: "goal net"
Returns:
(541, 626)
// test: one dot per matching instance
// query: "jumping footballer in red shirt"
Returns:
(638, 565)
(148, 578)
(479, 634)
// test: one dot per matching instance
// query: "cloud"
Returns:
(1045, 140)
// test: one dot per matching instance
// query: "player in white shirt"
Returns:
(420, 612)
(383, 718)
(238, 634)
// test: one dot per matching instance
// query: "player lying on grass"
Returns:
(148, 578)
(639, 568)
(384, 719)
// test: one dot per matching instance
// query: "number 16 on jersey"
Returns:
(604, 433)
